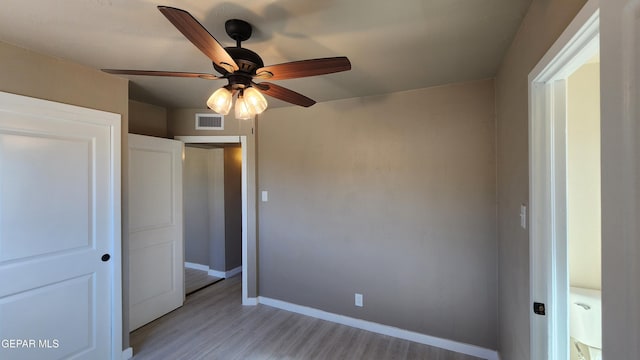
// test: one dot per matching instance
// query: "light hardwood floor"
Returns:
(197, 279)
(213, 324)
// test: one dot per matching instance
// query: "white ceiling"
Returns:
(393, 45)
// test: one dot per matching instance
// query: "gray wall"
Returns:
(217, 222)
(233, 206)
(147, 119)
(205, 208)
(390, 196)
(543, 24)
(195, 192)
(620, 149)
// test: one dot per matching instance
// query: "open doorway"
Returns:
(247, 259)
(584, 211)
(564, 148)
(212, 213)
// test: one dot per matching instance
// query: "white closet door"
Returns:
(156, 248)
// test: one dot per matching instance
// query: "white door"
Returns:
(59, 231)
(156, 247)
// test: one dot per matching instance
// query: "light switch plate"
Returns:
(265, 196)
(523, 216)
(358, 300)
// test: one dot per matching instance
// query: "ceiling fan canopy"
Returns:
(240, 66)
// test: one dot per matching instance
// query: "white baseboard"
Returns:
(216, 273)
(195, 266)
(233, 272)
(456, 346)
(127, 353)
(252, 301)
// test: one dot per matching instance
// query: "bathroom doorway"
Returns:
(584, 211)
(564, 197)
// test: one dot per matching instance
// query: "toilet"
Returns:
(585, 317)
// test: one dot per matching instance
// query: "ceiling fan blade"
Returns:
(284, 94)
(304, 68)
(199, 36)
(163, 73)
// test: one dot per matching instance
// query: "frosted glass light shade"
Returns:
(220, 101)
(242, 109)
(254, 99)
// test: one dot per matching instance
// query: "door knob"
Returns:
(106, 257)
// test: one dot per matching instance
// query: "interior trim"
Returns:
(451, 345)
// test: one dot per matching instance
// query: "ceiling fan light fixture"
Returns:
(242, 110)
(254, 100)
(239, 66)
(220, 101)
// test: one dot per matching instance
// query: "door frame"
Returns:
(548, 256)
(242, 140)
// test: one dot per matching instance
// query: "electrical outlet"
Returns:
(359, 300)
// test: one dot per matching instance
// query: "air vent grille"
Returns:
(209, 122)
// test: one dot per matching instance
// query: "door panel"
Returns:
(58, 192)
(152, 201)
(155, 278)
(75, 312)
(37, 167)
(155, 239)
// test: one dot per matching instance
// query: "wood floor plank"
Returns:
(197, 279)
(213, 324)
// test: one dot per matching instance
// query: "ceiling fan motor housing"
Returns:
(248, 61)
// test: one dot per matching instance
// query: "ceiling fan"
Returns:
(240, 66)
